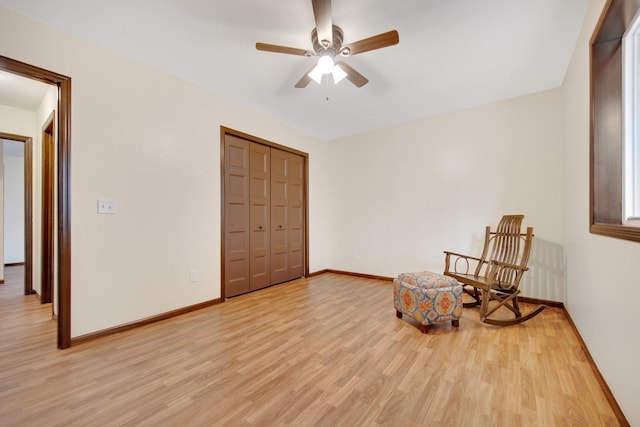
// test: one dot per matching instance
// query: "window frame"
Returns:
(631, 123)
(606, 122)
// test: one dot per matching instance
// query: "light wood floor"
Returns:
(322, 351)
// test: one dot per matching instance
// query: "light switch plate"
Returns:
(106, 206)
(193, 276)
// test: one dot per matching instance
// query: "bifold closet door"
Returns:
(264, 216)
(296, 216)
(287, 216)
(236, 216)
(260, 206)
(247, 216)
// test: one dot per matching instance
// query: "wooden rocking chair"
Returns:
(497, 272)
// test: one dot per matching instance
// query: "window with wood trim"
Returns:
(631, 121)
(608, 109)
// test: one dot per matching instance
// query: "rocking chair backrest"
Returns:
(507, 245)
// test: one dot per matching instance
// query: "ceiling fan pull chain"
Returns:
(327, 87)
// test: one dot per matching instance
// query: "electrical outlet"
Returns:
(193, 276)
(106, 206)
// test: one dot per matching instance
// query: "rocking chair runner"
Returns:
(497, 272)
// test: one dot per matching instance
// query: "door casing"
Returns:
(63, 183)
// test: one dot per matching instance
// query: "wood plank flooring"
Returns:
(324, 351)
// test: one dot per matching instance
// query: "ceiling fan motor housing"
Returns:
(333, 49)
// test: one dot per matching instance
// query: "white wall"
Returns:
(152, 143)
(602, 275)
(16, 121)
(13, 205)
(404, 194)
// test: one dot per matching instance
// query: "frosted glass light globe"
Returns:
(325, 64)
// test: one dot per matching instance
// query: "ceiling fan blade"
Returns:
(352, 75)
(324, 25)
(282, 49)
(304, 81)
(375, 42)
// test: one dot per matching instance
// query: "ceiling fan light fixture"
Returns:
(338, 74)
(316, 74)
(325, 64)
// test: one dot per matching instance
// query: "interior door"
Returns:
(48, 222)
(279, 216)
(260, 269)
(287, 216)
(236, 216)
(296, 216)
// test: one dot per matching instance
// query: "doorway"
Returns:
(63, 183)
(28, 207)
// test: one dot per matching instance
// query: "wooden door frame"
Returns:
(63, 181)
(228, 131)
(47, 223)
(28, 207)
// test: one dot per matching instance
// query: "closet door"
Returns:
(287, 216)
(279, 216)
(236, 216)
(260, 201)
(263, 215)
(296, 216)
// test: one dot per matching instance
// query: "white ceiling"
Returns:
(453, 54)
(20, 92)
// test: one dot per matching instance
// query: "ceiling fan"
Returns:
(327, 45)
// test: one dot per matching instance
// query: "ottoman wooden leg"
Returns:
(455, 323)
(424, 329)
(398, 314)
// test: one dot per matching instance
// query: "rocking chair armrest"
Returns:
(448, 253)
(509, 265)
(458, 257)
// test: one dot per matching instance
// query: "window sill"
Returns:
(618, 231)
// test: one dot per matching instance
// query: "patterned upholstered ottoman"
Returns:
(428, 298)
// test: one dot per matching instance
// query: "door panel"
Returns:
(279, 216)
(296, 216)
(237, 185)
(260, 166)
(287, 216)
(236, 216)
